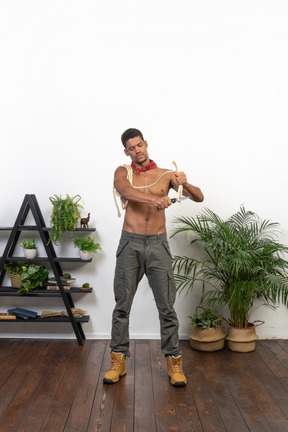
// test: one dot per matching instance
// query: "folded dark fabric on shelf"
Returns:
(22, 313)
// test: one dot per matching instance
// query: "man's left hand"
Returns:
(181, 178)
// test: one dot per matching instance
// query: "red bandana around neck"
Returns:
(151, 165)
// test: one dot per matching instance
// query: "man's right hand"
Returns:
(162, 203)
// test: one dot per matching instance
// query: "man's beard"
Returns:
(143, 161)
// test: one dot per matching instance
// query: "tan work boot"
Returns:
(175, 371)
(117, 368)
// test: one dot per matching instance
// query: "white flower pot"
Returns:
(30, 253)
(85, 256)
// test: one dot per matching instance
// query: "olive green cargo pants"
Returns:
(138, 255)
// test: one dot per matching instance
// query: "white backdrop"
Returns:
(206, 82)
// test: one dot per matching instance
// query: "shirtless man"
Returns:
(144, 249)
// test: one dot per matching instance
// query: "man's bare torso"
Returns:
(142, 218)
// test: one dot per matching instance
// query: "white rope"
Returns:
(180, 187)
(129, 170)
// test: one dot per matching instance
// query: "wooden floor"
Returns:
(56, 385)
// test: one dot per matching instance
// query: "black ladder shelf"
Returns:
(30, 203)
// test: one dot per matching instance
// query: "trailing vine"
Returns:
(65, 214)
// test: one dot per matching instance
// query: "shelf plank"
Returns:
(35, 228)
(43, 259)
(57, 319)
(8, 291)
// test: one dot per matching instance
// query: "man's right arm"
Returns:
(127, 192)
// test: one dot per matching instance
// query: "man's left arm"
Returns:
(193, 192)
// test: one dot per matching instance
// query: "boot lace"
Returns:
(115, 364)
(176, 366)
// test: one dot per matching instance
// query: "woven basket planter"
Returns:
(15, 281)
(211, 339)
(242, 339)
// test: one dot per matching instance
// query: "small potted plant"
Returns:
(30, 249)
(14, 269)
(87, 247)
(65, 214)
(29, 276)
(207, 333)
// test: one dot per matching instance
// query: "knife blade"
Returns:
(183, 198)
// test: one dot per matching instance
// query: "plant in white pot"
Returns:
(30, 248)
(244, 267)
(87, 246)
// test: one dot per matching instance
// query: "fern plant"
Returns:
(243, 264)
(86, 244)
(65, 214)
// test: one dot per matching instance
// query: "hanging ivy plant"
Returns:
(65, 214)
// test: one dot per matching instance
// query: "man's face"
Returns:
(136, 148)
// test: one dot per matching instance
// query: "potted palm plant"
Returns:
(207, 333)
(244, 267)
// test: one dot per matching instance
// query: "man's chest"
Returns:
(156, 181)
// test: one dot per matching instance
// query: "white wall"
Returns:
(206, 82)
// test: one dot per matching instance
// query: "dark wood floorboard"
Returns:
(57, 386)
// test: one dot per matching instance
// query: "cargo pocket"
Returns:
(167, 248)
(171, 288)
(121, 246)
(119, 285)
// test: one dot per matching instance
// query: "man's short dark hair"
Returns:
(130, 133)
